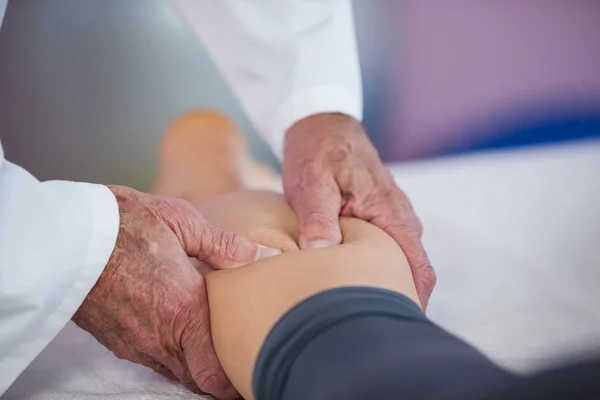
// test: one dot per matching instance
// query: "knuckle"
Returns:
(189, 208)
(179, 203)
(228, 244)
(312, 178)
(188, 211)
(182, 208)
(317, 219)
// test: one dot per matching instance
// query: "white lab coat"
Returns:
(284, 59)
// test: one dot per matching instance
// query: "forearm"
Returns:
(357, 339)
(55, 239)
(246, 303)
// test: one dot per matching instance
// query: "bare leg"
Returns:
(204, 154)
(203, 160)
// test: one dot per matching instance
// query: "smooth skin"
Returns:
(204, 161)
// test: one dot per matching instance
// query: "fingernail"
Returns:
(265, 252)
(316, 244)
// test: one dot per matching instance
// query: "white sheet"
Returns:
(515, 238)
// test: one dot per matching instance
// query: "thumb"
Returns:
(218, 248)
(222, 249)
(318, 212)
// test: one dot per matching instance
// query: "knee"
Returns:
(201, 128)
(202, 118)
(201, 123)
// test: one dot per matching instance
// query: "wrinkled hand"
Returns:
(331, 168)
(149, 305)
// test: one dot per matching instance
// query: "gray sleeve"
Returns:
(364, 343)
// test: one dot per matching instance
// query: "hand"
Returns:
(149, 306)
(331, 168)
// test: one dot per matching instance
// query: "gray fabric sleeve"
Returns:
(365, 343)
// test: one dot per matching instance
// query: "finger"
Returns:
(155, 366)
(223, 249)
(126, 352)
(193, 358)
(205, 368)
(422, 270)
(215, 246)
(220, 387)
(408, 238)
(179, 369)
(317, 204)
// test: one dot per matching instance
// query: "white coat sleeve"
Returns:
(55, 240)
(283, 59)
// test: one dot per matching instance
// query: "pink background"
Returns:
(465, 66)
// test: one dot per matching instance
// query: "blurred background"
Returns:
(87, 87)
